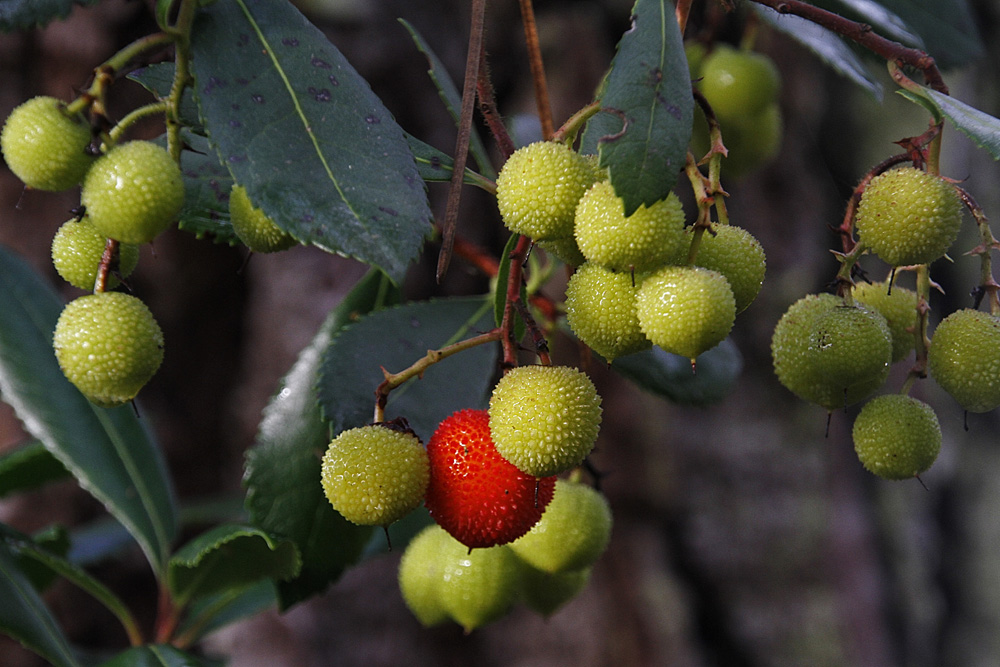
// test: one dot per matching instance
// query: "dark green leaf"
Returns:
(434, 165)
(947, 28)
(206, 193)
(644, 127)
(159, 79)
(981, 127)
(98, 541)
(28, 467)
(24, 616)
(159, 655)
(669, 375)
(53, 539)
(27, 14)
(297, 126)
(284, 496)
(395, 339)
(109, 452)
(212, 612)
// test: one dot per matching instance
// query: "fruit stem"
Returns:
(921, 341)
(571, 128)
(182, 76)
(515, 276)
(845, 274)
(107, 259)
(537, 68)
(987, 243)
(131, 117)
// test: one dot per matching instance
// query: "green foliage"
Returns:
(25, 14)
(28, 467)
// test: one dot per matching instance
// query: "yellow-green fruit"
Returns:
(257, 231)
(733, 252)
(538, 189)
(896, 436)
(686, 310)
(907, 216)
(573, 532)
(899, 308)
(44, 146)
(545, 593)
(109, 346)
(544, 419)
(645, 240)
(964, 358)
(831, 354)
(421, 575)
(738, 83)
(374, 475)
(77, 249)
(695, 53)
(134, 192)
(478, 585)
(601, 311)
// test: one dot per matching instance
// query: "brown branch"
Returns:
(537, 68)
(488, 108)
(514, 277)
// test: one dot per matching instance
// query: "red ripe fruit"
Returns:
(474, 493)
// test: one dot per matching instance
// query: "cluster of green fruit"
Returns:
(643, 279)
(506, 527)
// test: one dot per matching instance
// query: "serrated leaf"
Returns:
(644, 127)
(159, 655)
(395, 339)
(297, 126)
(209, 613)
(982, 128)
(284, 496)
(29, 467)
(159, 79)
(27, 14)
(110, 452)
(230, 557)
(669, 375)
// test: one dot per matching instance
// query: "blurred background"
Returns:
(742, 537)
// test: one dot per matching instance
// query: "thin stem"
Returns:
(514, 278)
(844, 278)
(920, 339)
(988, 286)
(134, 115)
(488, 108)
(108, 258)
(537, 68)
(571, 128)
(182, 76)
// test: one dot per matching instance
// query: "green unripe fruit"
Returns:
(733, 252)
(899, 308)
(738, 83)
(831, 354)
(538, 189)
(77, 249)
(907, 216)
(109, 346)
(645, 240)
(896, 436)
(601, 311)
(573, 532)
(257, 231)
(45, 147)
(545, 593)
(134, 192)
(686, 310)
(544, 419)
(751, 141)
(695, 53)
(478, 586)
(421, 575)
(374, 475)
(964, 358)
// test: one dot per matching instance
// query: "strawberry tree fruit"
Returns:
(474, 493)
(573, 532)
(601, 311)
(738, 83)
(77, 249)
(898, 307)
(733, 252)
(831, 354)
(544, 419)
(546, 593)
(896, 436)
(134, 192)
(964, 359)
(908, 216)
(421, 575)
(109, 345)
(45, 146)
(686, 310)
(257, 231)
(538, 189)
(643, 241)
(375, 474)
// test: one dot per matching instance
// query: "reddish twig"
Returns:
(488, 108)
(537, 68)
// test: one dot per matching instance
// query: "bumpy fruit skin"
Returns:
(964, 358)
(538, 189)
(77, 249)
(738, 83)
(907, 216)
(736, 254)
(44, 147)
(544, 419)
(601, 311)
(134, 192)
(899, 308)
(545, 593)
(475, 494)
(896, 436)
(831, 354)
(109, 346)
(573, 532)
(374, 475)
(257, 231)
(643, 241)
(421, 574)
(686, 310)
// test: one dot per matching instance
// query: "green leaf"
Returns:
(110, 452)
(159, 655)
(27, 14)
(24, 616)
(28, 467)
(284, 496)
(206, 193)
(297, 126)
(982, 128)
(436, 166)
(230, 557)
(395, 339)
(644, 127)
(947, 28)
(159, 79)
(53, 539)
(209, 613)
(669, 375)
